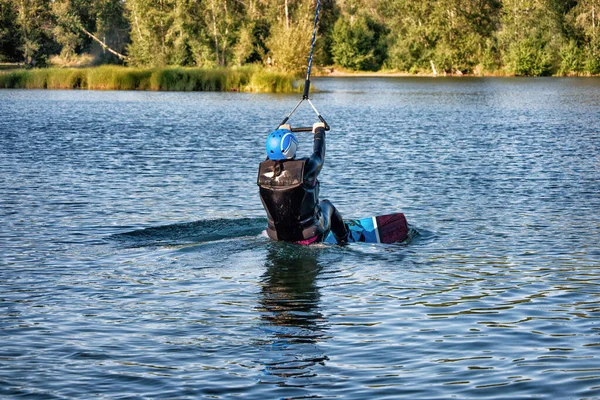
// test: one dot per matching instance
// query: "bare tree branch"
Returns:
(104, 45)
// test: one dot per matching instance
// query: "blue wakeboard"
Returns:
(391, 228)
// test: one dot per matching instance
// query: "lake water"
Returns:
(133, 263)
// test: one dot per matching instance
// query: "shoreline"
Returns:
(380, 74)
(335, 73)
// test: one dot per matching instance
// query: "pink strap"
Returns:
(306, 242)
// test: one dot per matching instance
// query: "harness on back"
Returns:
(290, 201)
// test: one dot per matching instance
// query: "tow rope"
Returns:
(307, 80)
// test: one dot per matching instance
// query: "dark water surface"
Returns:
(133, 264)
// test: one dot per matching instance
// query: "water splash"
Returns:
(191, 232)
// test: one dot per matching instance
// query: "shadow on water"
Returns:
(289, 306)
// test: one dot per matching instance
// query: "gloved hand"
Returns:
(285, 126)
(318, 125)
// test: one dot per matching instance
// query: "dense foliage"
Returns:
(521, 37)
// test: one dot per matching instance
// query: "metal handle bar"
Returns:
(302, 129)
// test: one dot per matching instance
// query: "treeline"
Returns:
(514, 37)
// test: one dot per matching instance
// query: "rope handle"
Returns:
(312, 48)
(307, 80)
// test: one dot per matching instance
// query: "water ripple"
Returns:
(134, 265)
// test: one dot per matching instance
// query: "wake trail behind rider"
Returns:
(289, 191)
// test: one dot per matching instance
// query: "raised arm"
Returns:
(316, 160)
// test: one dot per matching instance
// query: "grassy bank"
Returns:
(243, 79)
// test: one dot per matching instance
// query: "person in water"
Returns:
(289, 191)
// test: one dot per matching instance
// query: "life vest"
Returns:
(291, 203)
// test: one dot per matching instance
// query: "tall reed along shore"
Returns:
(243, 79)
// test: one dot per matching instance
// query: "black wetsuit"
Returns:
(289, 190)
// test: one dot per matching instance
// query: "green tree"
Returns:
(464, 28)
(150, 22)
(10, 34)
(571, 58)
(455, 35)
(412, 37)
(289, 46)
(585, 19)
(357, 43)
(66, 30)
(290, 37)
(222, 20)
(245, 46)
(35, 25)
(168, 32)
(530, 37)
(189, 44)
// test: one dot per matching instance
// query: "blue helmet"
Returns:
(281, 145)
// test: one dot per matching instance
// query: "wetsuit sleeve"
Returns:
(316, 160)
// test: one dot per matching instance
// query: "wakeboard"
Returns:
(391, 228)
